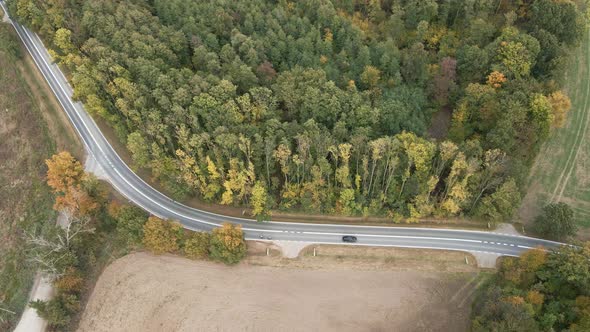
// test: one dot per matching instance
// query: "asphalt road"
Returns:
(142, 194)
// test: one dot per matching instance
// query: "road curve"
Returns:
(139, 192)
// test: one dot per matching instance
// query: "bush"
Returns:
(197, 245)
(130, 222)
(161, 236)
(59, 310)
(71, 282)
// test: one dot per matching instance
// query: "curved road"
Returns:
(142, 194)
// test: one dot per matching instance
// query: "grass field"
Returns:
(31, 130)
(562, 170)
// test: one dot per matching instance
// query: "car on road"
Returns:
(349, 239)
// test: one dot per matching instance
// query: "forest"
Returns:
(323, 106)
(539, 292)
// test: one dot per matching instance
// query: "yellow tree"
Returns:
(258, 200)
(212, 188)
(161, 236)
(63, 171)
(227, 244)
(197, 245)
(561, 104)
(371, 76)
(457, 191)
(238, 182)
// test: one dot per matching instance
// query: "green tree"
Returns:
(499, 206)
(139, 149)
(130, 224)
(556, 221)
(561, 18)
(53, 312)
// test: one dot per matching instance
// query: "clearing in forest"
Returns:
(561, 172)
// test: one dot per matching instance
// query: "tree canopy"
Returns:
(539, 292)
(321, 106)
(556, 221)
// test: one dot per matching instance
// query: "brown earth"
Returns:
(142, 292)
(440, 123)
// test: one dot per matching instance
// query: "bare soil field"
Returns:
(142, 292)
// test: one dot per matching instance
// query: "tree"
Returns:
(371, 76)
(499, 206)
(53, 252)
(556, 221)
(259, 201)
(62, 39)
(542, 114)
(76, 201)
(196, 246)
(53, 312)
(515, 52)
(139, 149)
(496, 79)
(561, 18)
(130, 222)
(161, 236)
(227, 244)
(542, 291)
(63, 172)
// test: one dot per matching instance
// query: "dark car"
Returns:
(349, 239)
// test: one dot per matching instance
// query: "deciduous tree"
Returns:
(227, 244)
(556, 221)
(63, 172)
(161, 236)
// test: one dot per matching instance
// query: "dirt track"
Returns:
(141, 292)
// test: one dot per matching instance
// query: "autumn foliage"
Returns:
(196, 246)
(77, 200)
(66, 177)
(540, 291)
(227, 244)
(63, 172)
(496, 79)
(161, 236)
(70, 282)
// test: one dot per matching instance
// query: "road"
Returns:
(139, 192)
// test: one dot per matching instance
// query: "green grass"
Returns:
(25, 200)
(562, 169)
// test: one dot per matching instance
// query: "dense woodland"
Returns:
(323, 105)
(539, 292)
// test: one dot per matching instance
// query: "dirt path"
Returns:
(141, 292)
(30, 320)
